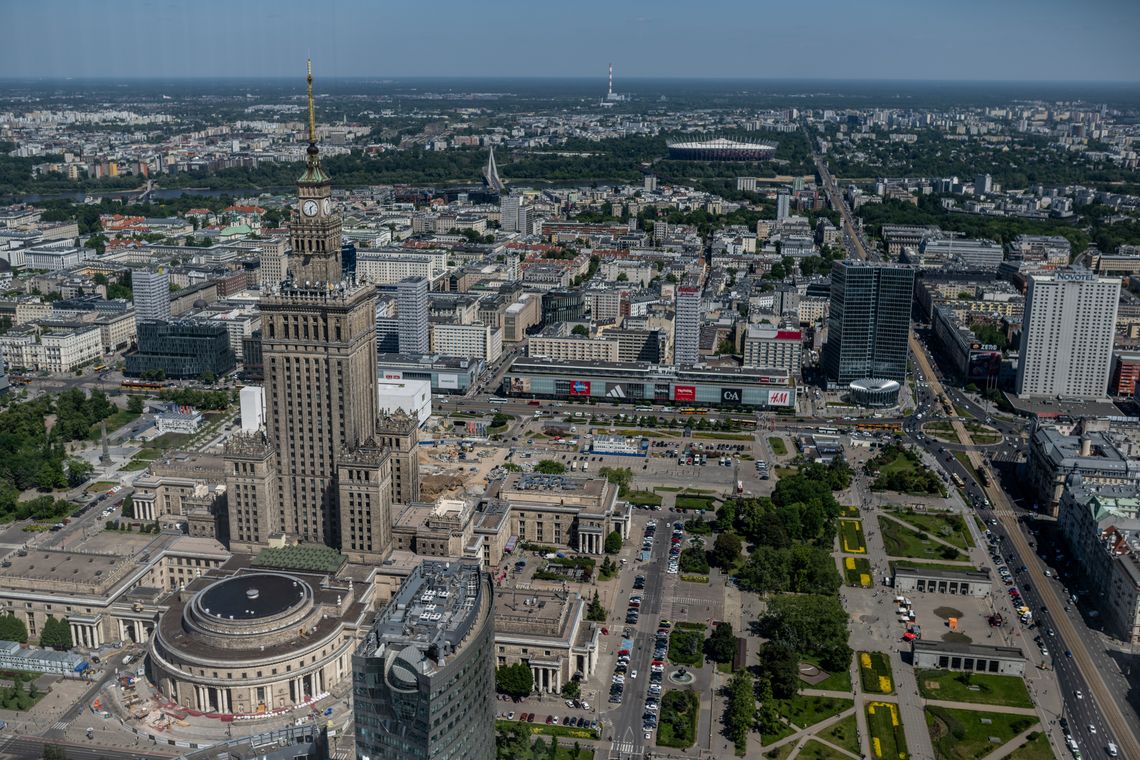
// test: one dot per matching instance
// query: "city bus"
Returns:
(957, 480)
(497, 400)
(828, 431)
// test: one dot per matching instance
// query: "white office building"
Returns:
(1066, 338)
(252, 408)
(472, 341)
(151, 295)
(413, 397)
(412, 312)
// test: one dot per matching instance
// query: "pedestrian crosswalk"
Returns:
(61, 725)
(625, 750)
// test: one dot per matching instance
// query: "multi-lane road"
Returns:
(1089, 701)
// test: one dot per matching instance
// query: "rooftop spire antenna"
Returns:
(312, 119)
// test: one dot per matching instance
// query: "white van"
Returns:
(1111, 750)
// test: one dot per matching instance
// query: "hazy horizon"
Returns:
(887, 40)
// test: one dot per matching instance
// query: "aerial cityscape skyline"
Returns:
(640, 393)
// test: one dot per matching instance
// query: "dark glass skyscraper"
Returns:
(424, 679)
(869, 322)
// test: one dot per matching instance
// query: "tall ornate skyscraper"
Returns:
(321, 463)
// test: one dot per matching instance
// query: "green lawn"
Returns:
(851, 538)
(786, 472)
(778, 446)
(857, 572)
(806, 711)
(678, 724)
(114, 422)
(563, 732)
(644, 498)
(875, 673)
(724, 436)
(887, 738)
(840, 681)
(901, 541)
(686, 501)
(964, 459)
(1035, 748)
(947, 526)
(843, 734)
(899, 464)
(983, 688)
(784, 730)
(813, 750)
(848, 510)
(967, 734)
(781, 752)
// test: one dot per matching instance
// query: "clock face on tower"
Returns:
(310, 208)
(326, 206)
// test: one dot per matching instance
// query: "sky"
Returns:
(1032, 40)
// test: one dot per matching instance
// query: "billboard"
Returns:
(731, 395)
(579, 387)
(684, 393)
(520, 385)
(449, 381)
(615, 390)
(985, 364)
(661, 392)
(779, 398)
(393, 374)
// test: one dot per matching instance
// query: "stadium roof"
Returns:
(718, 143)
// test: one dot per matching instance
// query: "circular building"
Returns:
(874, 392)
(720, 149)
(253, 643)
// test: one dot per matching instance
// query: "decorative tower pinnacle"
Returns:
(314, 174)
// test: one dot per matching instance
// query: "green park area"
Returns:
(695, 501)
(887, 738)
(857, 572)
(779, 448)
(900, 468)
(929, 565)
(947, 526)
(875, 673)
(972, 734)
(843, 734)
(804, 711)
(523, 741)
(686, 643)
(851, 538)
(1035, 747)
(901, 541)
(983, 688)
(848, 510)
(677, 726)
(644, 499)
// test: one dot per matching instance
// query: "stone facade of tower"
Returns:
(321, 471)
(399, 433)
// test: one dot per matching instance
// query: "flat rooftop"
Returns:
(436, 605)
(975, 650)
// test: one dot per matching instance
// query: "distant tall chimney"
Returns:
(610, 91)
(1086, 446)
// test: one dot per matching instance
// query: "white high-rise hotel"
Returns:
(1066, 338)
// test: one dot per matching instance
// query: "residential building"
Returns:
(477, 341)
(783, 206)
(1091, 452)
(1102, 527)
(573, 348)
(868, 322)
(424, 677)
(151, 295)
(773, 347)
(687, 324)
(412, 312)
(1067, 335)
